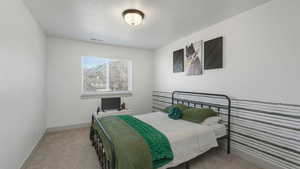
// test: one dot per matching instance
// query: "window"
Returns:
(102, 76)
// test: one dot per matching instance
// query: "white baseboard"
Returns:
(69, 127)
(49, 130)
(259, 162)
(34, 148)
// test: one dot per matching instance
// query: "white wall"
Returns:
(22, 65)
(261, 56)
(64, 106)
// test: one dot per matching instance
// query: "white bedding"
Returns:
(187, 139)
(219, 130)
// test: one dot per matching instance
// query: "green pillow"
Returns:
(175, 113)
(182, 107)
(197, 115)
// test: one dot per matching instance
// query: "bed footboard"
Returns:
(97, 142)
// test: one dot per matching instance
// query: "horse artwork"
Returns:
(194, 59)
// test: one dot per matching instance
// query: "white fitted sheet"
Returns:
(187, 139)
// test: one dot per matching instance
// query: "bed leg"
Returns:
(105, 162)
(92, 137)
(187, 165)
(91, 133)
(228, 144)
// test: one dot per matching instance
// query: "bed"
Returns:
(187, 140)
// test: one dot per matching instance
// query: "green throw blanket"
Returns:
(137, 144)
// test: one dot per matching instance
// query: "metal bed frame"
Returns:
(97, 142)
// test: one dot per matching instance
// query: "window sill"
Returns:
(105, 94)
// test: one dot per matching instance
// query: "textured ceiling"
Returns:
(165, 21)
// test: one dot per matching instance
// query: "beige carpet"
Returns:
(71, 149)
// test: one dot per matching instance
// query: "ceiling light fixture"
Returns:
(133, 17)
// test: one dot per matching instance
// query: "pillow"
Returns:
(197, 115)
(182, 107)
(210, 121)
(175, 113)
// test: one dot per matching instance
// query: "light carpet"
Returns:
(71, 149)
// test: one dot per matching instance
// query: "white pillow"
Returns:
(211, 121)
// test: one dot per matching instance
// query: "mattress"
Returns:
(188, 140)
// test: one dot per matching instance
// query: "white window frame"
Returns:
(103, 93)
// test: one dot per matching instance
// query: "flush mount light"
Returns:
(133, 17)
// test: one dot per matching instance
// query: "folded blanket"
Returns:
(137, 144)
(158, 143)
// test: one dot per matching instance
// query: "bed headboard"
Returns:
(218, 102)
